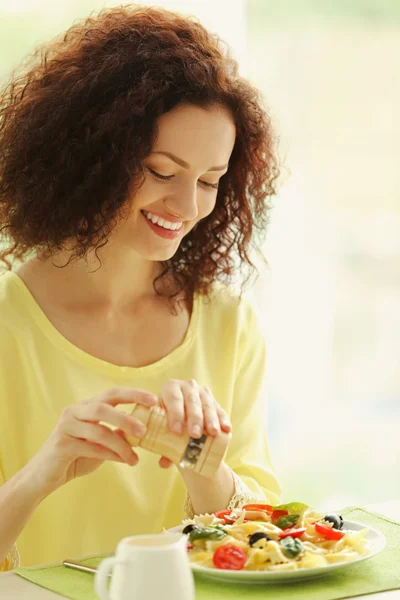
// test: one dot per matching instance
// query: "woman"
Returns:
(134, 163)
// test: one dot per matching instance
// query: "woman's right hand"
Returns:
(79, 444)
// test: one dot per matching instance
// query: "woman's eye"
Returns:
(169, 177)
(209, 185)
(159, 176)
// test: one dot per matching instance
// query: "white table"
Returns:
(13, 587)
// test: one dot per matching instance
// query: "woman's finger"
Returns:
(210, 415)
(104, 437)
(194, 410)
(125, 395)
(172, 399)
(94, 412)
(84, 449)
(165, 463)
(224, 420)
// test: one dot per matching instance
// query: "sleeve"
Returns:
(12, 559)
(248, 454)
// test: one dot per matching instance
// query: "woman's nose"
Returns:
(184, 203)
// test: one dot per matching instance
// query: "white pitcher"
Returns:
(146, 567)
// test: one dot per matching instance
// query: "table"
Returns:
(13, 587)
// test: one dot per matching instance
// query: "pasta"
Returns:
(265, 538)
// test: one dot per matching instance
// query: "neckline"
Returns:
(88, 360)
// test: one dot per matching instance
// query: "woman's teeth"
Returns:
(162, 222)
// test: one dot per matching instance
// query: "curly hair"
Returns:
(76, 125)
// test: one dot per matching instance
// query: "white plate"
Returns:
(377, 542)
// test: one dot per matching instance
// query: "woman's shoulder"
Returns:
(226, 304)
(5, 290)
(10, 300)
(8, 328)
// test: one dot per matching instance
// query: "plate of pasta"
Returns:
(260, 543)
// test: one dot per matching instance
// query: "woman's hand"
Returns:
(188, 403)
(79, 444)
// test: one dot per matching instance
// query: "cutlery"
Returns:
(79, 567)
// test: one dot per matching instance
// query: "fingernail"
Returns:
(226, 424)
(213, 428)
(196, 430)
(151, 399)
(177, 427)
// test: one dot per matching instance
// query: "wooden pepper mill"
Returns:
(203, 455)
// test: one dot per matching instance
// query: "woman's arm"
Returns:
(248, 453)
(209, 495)
(248, 474)
(19, 497)
(77, 446)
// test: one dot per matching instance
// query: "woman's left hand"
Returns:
(191, 405)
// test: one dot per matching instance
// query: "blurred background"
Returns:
(329, 302)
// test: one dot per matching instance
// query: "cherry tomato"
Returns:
(189, 547)
(277, 514)
(294, 533)
(328, 532)
(225, 515)
(263, 507)
(229, 557)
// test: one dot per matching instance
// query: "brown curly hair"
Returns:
(76, 126)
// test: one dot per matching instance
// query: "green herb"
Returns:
(291, 546)
(221, 527)
(292, 507)
(287, 521)
(207, 533)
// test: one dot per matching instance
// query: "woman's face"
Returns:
(189, 157)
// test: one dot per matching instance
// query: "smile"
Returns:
(162, 222)
(163, 228)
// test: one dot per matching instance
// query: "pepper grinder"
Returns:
(203, 455)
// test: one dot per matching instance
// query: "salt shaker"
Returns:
(203, 455)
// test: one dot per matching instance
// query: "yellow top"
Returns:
(41, 372)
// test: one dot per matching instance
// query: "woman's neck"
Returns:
(113, 280)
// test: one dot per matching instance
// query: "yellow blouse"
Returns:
(41, 372)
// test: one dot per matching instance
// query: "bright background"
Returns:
(329, 303)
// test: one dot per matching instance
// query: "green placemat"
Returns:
(377, 574)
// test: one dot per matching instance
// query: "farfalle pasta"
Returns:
(260, 537)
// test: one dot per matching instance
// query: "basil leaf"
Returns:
(292, 507)
(207, 533)
(291, 546)
(287, 521)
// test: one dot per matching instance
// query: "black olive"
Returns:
(336, 520)
(189, 528)
(258, 535)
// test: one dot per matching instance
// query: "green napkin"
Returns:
(382, 572)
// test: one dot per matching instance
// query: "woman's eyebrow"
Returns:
(184, 164)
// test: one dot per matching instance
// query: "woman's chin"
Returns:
(157, 254)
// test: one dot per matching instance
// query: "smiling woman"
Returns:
(177, 193)
(135, 166)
